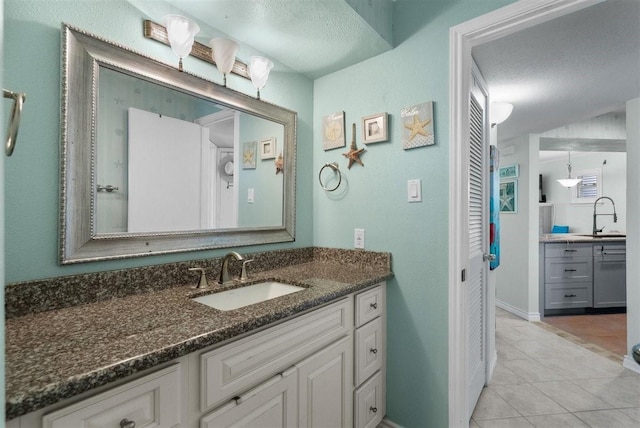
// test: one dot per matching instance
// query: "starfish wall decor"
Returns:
(417, 124)
(354, 153)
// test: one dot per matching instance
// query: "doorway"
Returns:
(463, 38)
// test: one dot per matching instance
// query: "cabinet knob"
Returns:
(126, 423)
(373, 350)
(374, 305)
(373, 409)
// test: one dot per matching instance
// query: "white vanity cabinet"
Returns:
(324, 368)
(370, 357)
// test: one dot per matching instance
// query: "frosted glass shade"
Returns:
(569, 182)
(500, 112)
(223, 52)
(259, 68)
(181, 32)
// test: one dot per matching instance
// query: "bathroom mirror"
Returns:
(157, 161)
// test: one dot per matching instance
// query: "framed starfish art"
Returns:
(417, 126)
(333, 131)
(249, 153)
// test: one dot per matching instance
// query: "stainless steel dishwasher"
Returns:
(609, 275)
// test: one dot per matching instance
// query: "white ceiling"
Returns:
(566, 70)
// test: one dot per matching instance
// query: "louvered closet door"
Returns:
(478, 223)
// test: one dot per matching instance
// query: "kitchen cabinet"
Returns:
(325, 367)
(583, 275)
(568, 275)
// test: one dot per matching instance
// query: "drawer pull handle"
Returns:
(373, 350)
(569, 295)
(570, 251)
(374, 305)
(126, 423)
(373, 409)
(570, 270)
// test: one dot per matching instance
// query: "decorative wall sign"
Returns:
(279, 163)
(509, 196)
(510, 171)
(417, 126)
(333, 131)
(375, 128)
(268, 148)
(249, 152)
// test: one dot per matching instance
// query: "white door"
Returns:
(476, 297)
(166, 173)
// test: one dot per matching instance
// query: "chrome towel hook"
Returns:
(14, 123)
(334, 166)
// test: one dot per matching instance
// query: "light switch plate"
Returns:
(358, 238)
(414, 190)
(251, 195)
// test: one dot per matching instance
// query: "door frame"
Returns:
(462, 38)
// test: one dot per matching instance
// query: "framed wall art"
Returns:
(249, 150)
(375, 128)
(510, 171)
(417, 126)
(509, 196)
(333, 131)
(268, 148)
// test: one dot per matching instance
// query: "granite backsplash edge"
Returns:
(31, 297)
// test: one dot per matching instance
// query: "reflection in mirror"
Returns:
(156, 161)
(172, 161)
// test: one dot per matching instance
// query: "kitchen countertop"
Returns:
(57, 354)
(577, 237)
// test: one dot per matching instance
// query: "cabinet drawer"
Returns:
(574, 270)
(369, 350)
(232, 369)
(151, 401)
(369, 305)
(568, 250)
(369, 403)
(580, 296)
(272, 404)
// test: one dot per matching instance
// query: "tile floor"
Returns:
(544, 380)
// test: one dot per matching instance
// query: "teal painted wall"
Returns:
(374, 197)
(32, 65)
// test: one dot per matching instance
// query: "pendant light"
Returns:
(569, 182)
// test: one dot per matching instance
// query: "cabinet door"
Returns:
(325, 387)
(272, 404)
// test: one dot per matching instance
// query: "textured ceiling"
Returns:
(312, 37)
(566, 70)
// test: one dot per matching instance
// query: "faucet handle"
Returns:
(202, 283)
(243, 274)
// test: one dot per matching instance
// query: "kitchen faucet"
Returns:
(595, 214)
(224, 271)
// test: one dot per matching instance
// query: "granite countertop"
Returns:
(577, 237)
(60, 353)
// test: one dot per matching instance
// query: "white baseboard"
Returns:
(386, 423)
(631, 364)
(529, 316)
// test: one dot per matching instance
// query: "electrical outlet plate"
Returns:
(358, 238)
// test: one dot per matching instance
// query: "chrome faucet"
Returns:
(224, 271)
(595, 214)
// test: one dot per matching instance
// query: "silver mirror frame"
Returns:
(82, 56)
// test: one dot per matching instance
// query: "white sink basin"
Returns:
(245, 296)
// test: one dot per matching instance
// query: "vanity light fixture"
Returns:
(223, 53)
(259, 68)
(569, 182)
(181, 32)
(500, 112)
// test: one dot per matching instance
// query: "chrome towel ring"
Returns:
(334, 166)
(14, 124)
